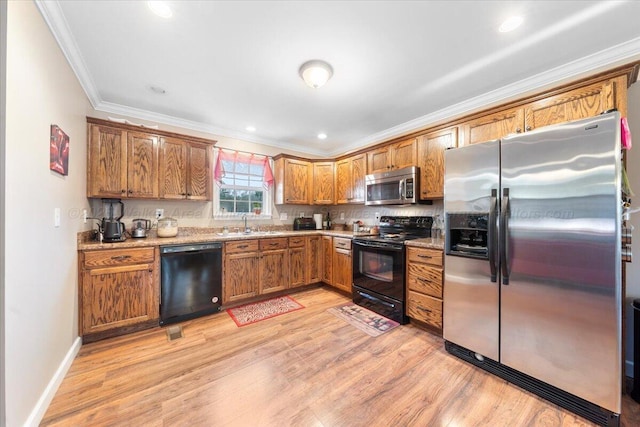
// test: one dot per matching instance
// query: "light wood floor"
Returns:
(305, 368)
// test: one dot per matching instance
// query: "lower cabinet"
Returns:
(342, 264)
(297, 261)
(119, 292)
(327, 260)
(241, 260)
(273, 267)
(314, 259)
(424, 285)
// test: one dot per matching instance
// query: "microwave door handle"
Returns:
(401, 189)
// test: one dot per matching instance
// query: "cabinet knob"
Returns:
(123, 191)
(188, 194)
(183, 194)
(518, 130)
(150, 271)
(130, 191)
(528, 128)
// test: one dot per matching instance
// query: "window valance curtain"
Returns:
(243, 157)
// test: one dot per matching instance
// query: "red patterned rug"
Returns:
(251, 313)
(366, 320)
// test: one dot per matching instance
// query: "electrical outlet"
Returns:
(159, 213)
(377, 216)
(301, 214)
(283, 216)
(84, 215)
(56, 217)
(341, 215)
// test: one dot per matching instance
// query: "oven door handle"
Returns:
(378, 300)
(397, 248)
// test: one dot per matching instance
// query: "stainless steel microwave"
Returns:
(396, 187)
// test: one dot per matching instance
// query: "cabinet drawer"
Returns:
(296, 242)
(424, 308)
(429, 256)
(424, 278)
(241, 246)
(269, 244)
(341, 243)
(114, 257)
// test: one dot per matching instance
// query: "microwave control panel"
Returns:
(409, 188)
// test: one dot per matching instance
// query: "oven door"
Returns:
(379, 267)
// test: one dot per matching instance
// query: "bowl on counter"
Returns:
(167, 227)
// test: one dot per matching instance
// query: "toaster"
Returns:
(303, 223)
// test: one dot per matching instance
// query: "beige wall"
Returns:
(41, 267)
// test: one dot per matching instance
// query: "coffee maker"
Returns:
(111, 228)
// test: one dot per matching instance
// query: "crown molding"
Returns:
(108, 107)
(53, 16)
(605, 59)
(608, 58)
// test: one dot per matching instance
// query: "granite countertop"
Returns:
(430, 243)
(188, 235)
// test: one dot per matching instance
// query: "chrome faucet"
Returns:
(246, 228)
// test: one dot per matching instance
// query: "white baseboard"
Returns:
(628, 368)
(47, 396)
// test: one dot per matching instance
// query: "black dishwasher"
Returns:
(191, 282)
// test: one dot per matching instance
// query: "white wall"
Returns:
(633, 268)
(41, 261)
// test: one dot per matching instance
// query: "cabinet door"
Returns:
(107, 166)
(314, 259)
(577, 104)
(273, 269)
(327, 259)
(173, 168)
(342, 269)
(379, 160)
(403, 154)
(358, 172)
(142, 165)
(198, 171)
(296, 182)
(343, 181)
(114, 297)
(493, 126)
(431, 148)
(297, 266)
(323, 183)
(240, 276)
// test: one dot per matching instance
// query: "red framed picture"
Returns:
(59, 151)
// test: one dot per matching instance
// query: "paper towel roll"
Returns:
(318, 219)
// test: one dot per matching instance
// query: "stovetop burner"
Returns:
(401, 228)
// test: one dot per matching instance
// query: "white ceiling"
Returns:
(398, 65)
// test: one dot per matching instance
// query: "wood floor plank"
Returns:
(305, 368)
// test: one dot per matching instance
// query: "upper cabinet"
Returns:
(493, 126)
(292, 181)
(350, 173)
(125, 161)
(394, 156)
(323, 183)
(185, 169)
(431, 148)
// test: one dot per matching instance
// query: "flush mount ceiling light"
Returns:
(160, 8)
(322, 136)
(315, 73)
(510, 24)
(250, 128)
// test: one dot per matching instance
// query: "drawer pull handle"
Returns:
(424, 256)
(273, 244)
(242, 246)
(426, 310)
(120, 257)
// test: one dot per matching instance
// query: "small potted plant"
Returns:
(257, 208)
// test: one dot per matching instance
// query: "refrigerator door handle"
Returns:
(493, 232)
(504, 232)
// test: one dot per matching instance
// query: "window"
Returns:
(243, 184)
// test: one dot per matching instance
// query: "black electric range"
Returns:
(379, 265)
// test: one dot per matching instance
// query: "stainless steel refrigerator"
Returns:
(532, 286)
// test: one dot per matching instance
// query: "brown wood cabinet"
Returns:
(125, 161)
(241, 272)
(493, 126)
(314, 259)
(119, 292)
(424, 280)
(327, 260)
(121, 163)
(185, 169)
(274, 265)
(293, 178)
(323, 183)
(342, 265)
(431, 148)
(297, 261)
(350, 173)
(394, 156)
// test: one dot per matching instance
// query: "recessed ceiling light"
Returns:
(322, 136)
(315, 73)
(250, 129)
(158, 90)
(510, 24)
(160, 8)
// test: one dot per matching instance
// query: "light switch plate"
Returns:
(283, 216)
(56, 217)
